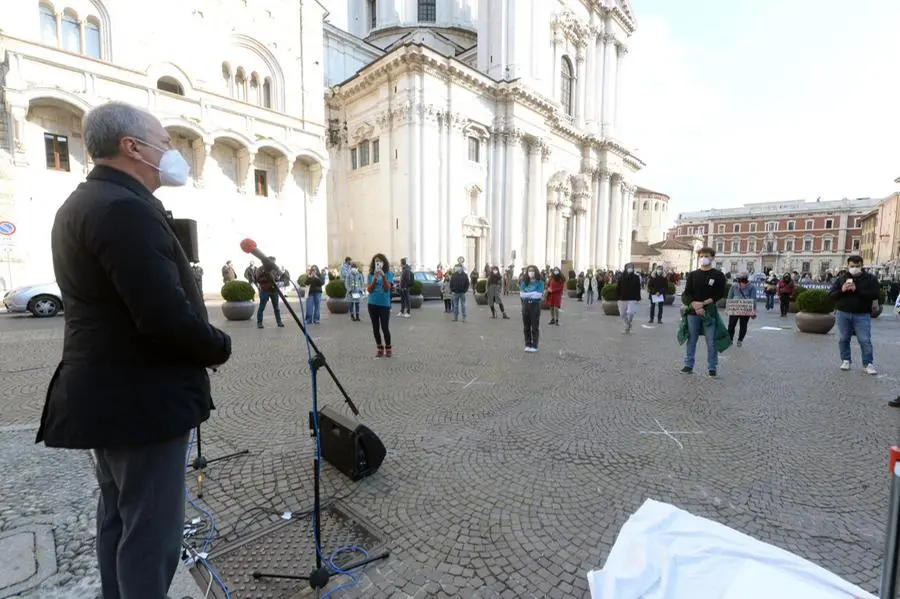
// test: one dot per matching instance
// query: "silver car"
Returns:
(41, 300)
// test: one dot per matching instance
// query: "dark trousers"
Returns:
(531, 319)
(140, 518)
(381, 322)
(447, 304)
(733, 322)
(785, 303)
(404, 301)
(264, 297)
(656, 309)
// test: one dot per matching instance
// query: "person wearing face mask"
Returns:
(132, 381)
(379, 287)
(556, 285)
(854, 293)
(494, 284)
(742, 289)
(628, 294)
(656, 286)
(590, 288)
(459, 285)
(531, 292)
(703, 287)
(785, 290)
(355, 285)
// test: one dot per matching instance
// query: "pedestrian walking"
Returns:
(785, 291)
(742, 289)
(406, 281)
(132, 381)
(590, 288)
(531, 292)
(855, 293)
(656, 287)
(628, 294)
(379, 285)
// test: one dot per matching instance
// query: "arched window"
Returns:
(168, 84)
(646, 205)
(634, 235)
(71, 32)
(567, 89)
(267, 93)
(656, 206)
(254, 88)
(240, 85)
(92, 38)
(48, 26)
(226, 75)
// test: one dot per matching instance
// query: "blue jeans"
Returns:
(459, 305)
(264, 297)
(354, 308)
(709, 332)
(859, 325)
(770, 301)
(313, 301)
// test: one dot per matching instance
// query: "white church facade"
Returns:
(487, 129)
(245, 108)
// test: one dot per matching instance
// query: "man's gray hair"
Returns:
(106, 125)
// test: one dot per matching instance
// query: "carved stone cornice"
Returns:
(604, 173)
(571, 26)
(609, 38)
(622, 48)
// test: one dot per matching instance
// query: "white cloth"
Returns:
(663, 552)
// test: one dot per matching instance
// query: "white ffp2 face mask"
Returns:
(173, 168)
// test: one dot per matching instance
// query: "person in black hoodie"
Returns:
(266, 282)
(628, 293)
(854, 293)
(656, 285)
(313, 295)
(406, 281)
(459, 285)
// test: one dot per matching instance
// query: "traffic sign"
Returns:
(7, 228)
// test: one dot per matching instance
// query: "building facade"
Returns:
(246, 111)
(809, 237)
(881, 236)
(489, 130)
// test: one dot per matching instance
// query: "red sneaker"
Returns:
(380, 353)
(387, 351)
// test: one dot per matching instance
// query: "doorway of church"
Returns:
(473, 247)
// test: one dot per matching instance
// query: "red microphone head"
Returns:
(248, 245)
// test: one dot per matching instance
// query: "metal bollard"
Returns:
(892, 537)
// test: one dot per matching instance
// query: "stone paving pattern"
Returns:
(517, 484)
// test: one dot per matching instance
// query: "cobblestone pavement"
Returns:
(509, 474)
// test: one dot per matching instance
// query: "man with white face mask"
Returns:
(132, 382)
(854, 294)
(704, 286)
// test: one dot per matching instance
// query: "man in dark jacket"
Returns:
(854, 293)
(459, 285)
(132, 381)
(628, 293)
(406, 281)
(656, 286)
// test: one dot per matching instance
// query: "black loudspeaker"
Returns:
(348, 445)
(186, 232)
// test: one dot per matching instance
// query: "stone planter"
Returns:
(668, 300)
(415, 301)
(481, 299)
(238, 310)
(610, 308)
(337, 305)
(572, 293)
(809, 322)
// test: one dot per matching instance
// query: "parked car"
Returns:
(431, 286)
(41, 300)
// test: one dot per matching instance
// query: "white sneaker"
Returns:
(870, 369)
(845, 365)
(528, 349)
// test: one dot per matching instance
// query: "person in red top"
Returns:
(555, 287)
(785, 290)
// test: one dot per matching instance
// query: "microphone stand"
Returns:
(200, 462)
(321, 574)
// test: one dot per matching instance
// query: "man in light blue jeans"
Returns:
(850, 324)
(855, 294)
(459, 305)
(695, 324)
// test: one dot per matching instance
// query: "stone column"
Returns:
(609, 84)
(582, 231)
(618, 118)
(625, 227)
(19, 116)
(202, 153)
(591, 87)
(562, 212)
(535, 214)
(580, 85)
(489, 200)
(282, 168)
(515, 223)
(498, 218)
(247, 158)
(81, 35)
(557, 63)
(615, 223)
(551, 216)
(601, 220)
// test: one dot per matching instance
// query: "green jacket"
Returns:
(710, 318)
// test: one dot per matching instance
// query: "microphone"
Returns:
(249, 246)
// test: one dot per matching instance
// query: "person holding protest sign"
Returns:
(740, 312)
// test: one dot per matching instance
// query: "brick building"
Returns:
(809, 237)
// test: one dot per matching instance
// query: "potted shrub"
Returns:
(669, 297)
(572, 288)
(337, 302)
(238, 304)
(721, 303)
(881, 300)
(301, 283)
(415, 295)
(815, 313)
(608, 300)
(481, 292)
(792, 307)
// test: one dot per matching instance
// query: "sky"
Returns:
(738, 101)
